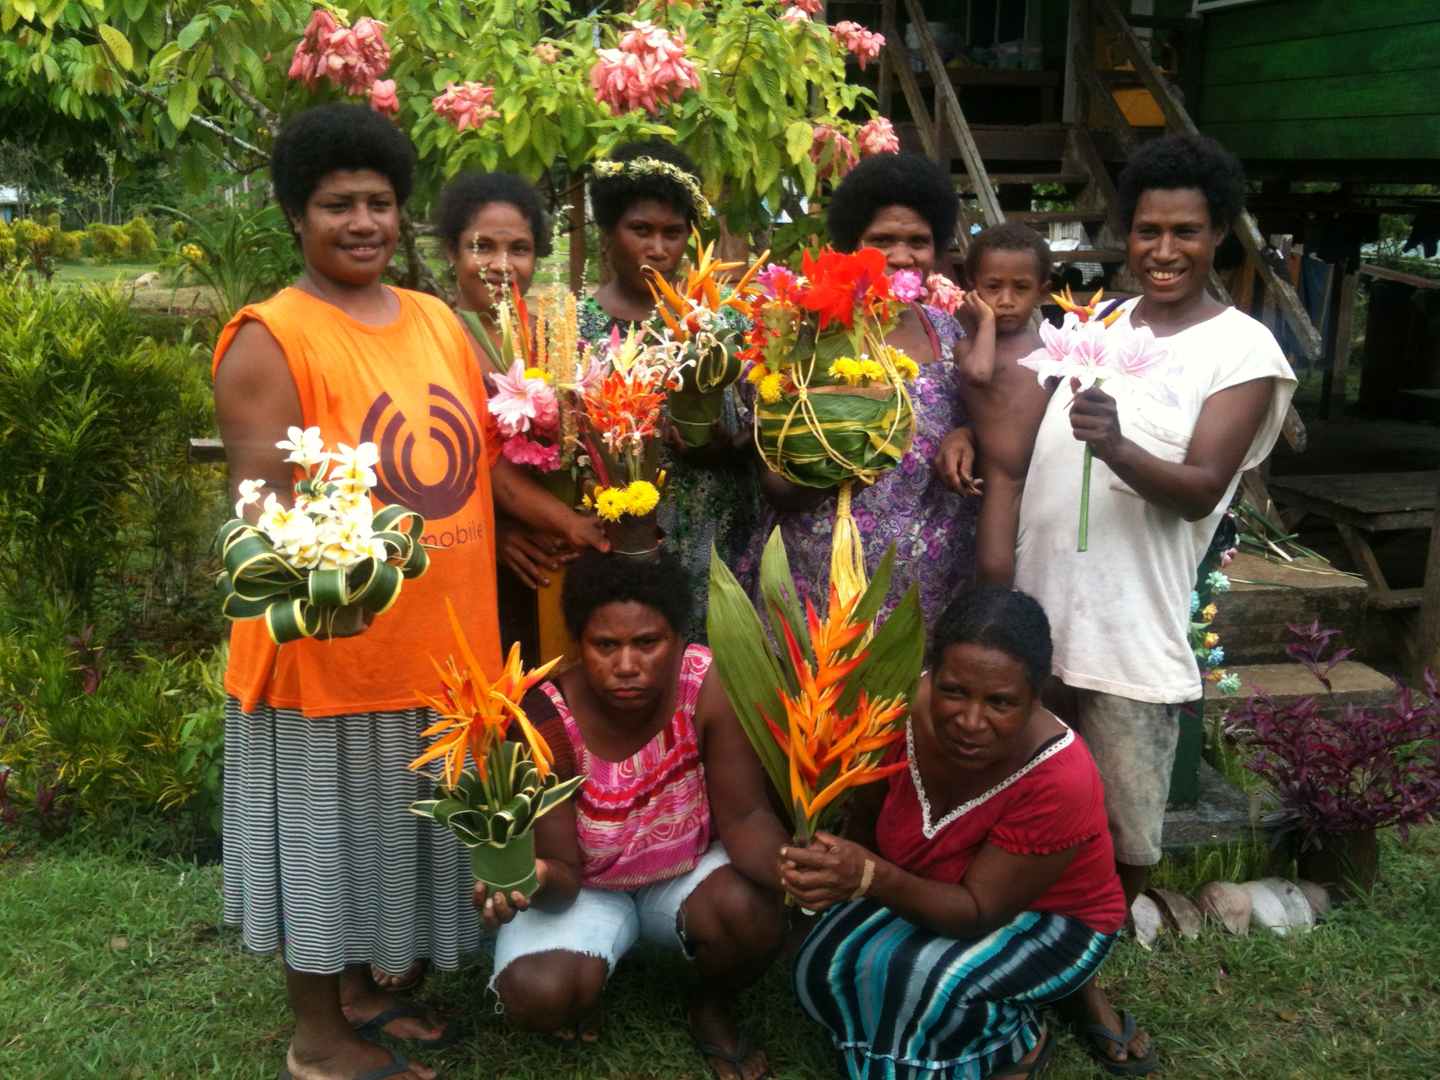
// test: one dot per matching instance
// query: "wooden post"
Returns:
(1428, 652)
(886, 95)
(1334, 404)
(1074, 109)
(910, 86)
(577, 237)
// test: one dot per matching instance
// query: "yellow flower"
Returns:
(757, 372)
(641, 497)
(537, 373)
(1209, 613)
(871, 371)
(770, 388)
(588, 503)
(193, 253)
(1211, 640)
(610, 503)
(846, 368)
(907, 368)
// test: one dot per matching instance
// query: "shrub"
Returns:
(118, 407)
(240, 255)
(69, 245)
(141, 236)
(108, 243)
(35, 244)
(9, 247)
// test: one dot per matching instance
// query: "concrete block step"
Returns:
(1353, 683)
(1265, 597)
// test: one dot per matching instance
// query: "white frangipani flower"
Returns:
(249, 495)
(307, 447)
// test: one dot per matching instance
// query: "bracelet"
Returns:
(867, 876)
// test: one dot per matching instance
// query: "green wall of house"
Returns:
(1333, 80)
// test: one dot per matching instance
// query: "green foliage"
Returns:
(108, 243)
(36, 245)
(70, 245)
(9, 246)
(118, 406)
(241, 255)
(141, 235)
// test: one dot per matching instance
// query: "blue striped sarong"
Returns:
(903, 1003)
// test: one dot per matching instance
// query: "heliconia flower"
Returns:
(546, 52)
(523, 451)
(249, 495)
(307, 447)
(863, 44)
(878, 137)
(383, 98)
(907, 285)
(466, 105)
(833, 153)
(521, 403)
(942, 293)
(648, 70)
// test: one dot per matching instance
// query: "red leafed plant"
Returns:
(1343, 770)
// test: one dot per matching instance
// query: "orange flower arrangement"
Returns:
(684, 310)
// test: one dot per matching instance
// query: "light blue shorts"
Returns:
(607, 923)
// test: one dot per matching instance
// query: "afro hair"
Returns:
(333, 138)
(1185, 161)
(470, 191)
(1009, 236)
(892, 180)
(995, 617)
(596, 579)
(611, 196)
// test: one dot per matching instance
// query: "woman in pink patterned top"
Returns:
(643, 852)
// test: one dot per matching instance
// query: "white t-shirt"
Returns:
(1120, 611)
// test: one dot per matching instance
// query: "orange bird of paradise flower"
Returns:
(475, 714)
(830, 753)
(1084, 312)
(625, 405)
(679, 308)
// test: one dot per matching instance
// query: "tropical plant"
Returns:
(1343, 770)
(141, 235)
(241, 255)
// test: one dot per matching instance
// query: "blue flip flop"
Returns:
(395, 1067)
(404, 1009)
(1094, 1036)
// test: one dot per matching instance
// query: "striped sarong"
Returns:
(322, 853)
(903, 1003)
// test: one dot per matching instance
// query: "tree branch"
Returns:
(265, 114)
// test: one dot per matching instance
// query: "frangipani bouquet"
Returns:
(1089, 348)
(823, 712)
(318, 565)
(833, 405)
(708, 322)
(492, 810)
(619, 432)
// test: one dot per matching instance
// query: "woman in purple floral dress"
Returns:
(904, 205)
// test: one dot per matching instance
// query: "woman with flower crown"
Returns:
(321, 856)
(647, 201)
(904, 205)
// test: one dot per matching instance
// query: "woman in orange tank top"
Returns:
(320, 852)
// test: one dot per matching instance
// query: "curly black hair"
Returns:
(470, 191)
(611, 196)
(1009, 236)
(596, 579)
(331, 138)
(997, 618)
(892, 180)
(1185, 161)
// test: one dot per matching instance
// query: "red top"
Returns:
(1053, 802)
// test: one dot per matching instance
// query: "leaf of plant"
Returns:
(119, 46)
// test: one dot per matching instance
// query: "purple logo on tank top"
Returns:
(452, 426)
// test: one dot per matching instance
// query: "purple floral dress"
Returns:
(932, 527)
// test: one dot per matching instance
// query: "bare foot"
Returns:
(1091, 1006)
(346, 1060)
(730, 1056)
(360, 1004)
(407, 980)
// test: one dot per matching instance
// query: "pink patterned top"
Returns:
(647, 818)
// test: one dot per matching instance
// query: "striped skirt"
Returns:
(322, 853)
(903, 1003)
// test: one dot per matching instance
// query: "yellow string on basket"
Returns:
(847, 552)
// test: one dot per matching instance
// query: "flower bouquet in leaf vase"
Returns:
(833, 407)
(1089, 348)
(709, 322)
(824, 709)
(619, 432)
(491, 808)
(329, 561)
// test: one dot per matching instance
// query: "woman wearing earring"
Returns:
(646, 199)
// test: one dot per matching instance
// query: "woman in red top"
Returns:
(982, 887)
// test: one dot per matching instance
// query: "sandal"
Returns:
(395, 1067)
(1093, 1038)
(586, 1031)
(744, 1050)
(1030, 1068)
(404, 1009)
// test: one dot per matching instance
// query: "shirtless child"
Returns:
(1008, 267)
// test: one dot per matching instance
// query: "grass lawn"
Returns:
(114, 967)
(97, 273)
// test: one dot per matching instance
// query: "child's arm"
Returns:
(998, 524)
(977, 359)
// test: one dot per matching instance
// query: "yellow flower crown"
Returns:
(649, 166)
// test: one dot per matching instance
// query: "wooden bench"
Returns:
(1360, 505)
(206, 451)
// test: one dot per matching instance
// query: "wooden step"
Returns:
(1021, 179)
(1266, 596)
(1352, 683)
(1049, 217)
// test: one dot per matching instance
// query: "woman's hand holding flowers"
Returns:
(828, 872)
(496, 909)
(1095, 419)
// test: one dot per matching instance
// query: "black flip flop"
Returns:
(1094, 1036)
(744, 1049)
(396, 1066)
(404, 1009)
(1031, 1068)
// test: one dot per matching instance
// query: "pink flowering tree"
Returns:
(749, 88)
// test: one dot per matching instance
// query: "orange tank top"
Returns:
(412, 387)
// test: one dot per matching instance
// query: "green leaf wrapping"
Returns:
(257, 581)
(828, 434)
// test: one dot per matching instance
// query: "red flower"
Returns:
(840, 284)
